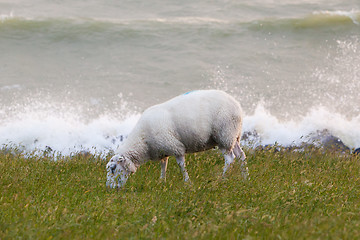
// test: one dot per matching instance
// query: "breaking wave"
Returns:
(271, 130)
(66, 130)
(313, 20)
(65, 134)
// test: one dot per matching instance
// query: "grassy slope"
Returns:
(289, 196)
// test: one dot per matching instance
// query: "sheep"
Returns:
(189, 123)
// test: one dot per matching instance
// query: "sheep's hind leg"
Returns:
(163, 163)
(181, 162)
(229, 159)
(239, 153)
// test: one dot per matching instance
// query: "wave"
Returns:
(339, 15)
(271, 130)
(319, 19)
(328, 18)
(67, 134)
(43, 121)
(18, 21)
(313, 20)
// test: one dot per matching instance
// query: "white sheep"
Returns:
(192, 122)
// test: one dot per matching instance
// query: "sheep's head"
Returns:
(119, 169)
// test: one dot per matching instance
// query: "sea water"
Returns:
(76, 75)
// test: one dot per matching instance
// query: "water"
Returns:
(76, 75)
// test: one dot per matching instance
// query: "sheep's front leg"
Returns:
(163, 163)
(181, 162)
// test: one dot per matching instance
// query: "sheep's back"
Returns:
(190, 123)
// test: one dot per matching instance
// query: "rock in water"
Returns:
(357, 151)
(325, 140)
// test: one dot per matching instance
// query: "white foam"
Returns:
(273, 130)
(66, 135)
(11, 87)
(169, 20)
(4, 17)
(190, 20)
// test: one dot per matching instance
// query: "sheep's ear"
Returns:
(129, 165)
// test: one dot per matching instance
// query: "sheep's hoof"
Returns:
(188, 183)
(224, 178)
(245, 175)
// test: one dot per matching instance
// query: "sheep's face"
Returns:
(118, 171)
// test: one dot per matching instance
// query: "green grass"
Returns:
(307, 195)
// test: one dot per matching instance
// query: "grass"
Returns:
(309, 195)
